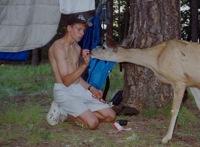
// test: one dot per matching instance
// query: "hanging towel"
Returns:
(75, 6)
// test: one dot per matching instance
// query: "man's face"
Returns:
(77, 31)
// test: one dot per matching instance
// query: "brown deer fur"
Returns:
(174, 62)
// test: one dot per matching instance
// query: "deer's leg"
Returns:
(177, 100)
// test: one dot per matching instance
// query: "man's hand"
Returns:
(86, 56)
(97, 94)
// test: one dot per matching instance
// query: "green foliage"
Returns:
(25, 98)
(185, 20)
(19, 80)
(185, 116)
(119, 22)
(153, 112)
(22, 89)
(116, 82)
(30, 114)
(120, 19)
(39, 134)
(20, 121)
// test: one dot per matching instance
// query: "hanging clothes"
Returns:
(98, 70)
(104, 12)
(27, 24)
(75, 6)
(30, 24)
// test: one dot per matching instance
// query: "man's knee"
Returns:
(93, 123)
(111, 116)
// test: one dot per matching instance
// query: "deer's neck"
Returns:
(146, 57)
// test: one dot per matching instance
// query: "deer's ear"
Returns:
(111, 43)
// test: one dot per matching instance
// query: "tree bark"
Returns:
(119, 22)
(127, 15)
(194, 20)
(109, 29)
(35, 57)
(151, 22)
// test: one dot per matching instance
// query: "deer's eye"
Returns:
(103, 47)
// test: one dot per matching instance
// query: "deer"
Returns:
(181, 57)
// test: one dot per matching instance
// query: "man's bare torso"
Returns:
(64, 59)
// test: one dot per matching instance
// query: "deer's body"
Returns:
(174, 62)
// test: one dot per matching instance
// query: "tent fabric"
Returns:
(75, 6)
(27, 24)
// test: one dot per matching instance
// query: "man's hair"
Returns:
(77, 19)
(71, 19)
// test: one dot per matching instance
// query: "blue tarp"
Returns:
(14, 56)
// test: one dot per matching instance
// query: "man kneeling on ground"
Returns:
(74, 98)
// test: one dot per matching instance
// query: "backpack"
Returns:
(116, 100)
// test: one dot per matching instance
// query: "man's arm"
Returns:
(64, 70)
(98, 94)
(72, 77)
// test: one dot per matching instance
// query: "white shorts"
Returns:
(75, 99)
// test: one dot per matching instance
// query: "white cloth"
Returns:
(75, 6)
(27, 24)
(75, 99)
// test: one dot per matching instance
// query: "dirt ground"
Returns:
(144, 131)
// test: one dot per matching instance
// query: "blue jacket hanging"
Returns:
(98, 70)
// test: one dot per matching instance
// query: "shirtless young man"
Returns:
(74, 98)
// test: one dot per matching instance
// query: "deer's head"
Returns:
(107, 52)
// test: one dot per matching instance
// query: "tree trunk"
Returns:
(127, 15)
(151, 22)
(35, 57)
(119, 22)
(109, 29)
(194, 20)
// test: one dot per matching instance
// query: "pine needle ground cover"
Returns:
(25, 97)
